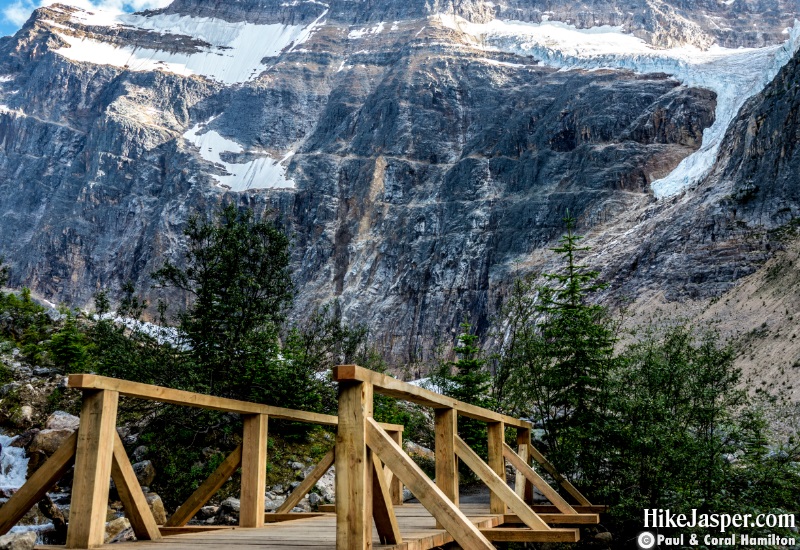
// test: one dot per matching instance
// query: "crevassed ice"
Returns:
(234, 54)
(734, 74)
(261, 173)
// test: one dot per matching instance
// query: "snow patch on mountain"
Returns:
(260, 173)
(734, 74)
(360, 33)
(234, 53)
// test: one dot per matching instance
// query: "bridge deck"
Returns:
(417, 527)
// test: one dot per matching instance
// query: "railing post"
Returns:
(496, 437)
(353, 468)
(254, 470)
(395, 485)
(95, 448)
(445, 422)
(523, 486)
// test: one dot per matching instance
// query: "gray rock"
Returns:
(207, 512)
(157, 507)
(314, 500)
(61, 420)
(296, 465)
(48, 441)
(230, 505)
(115, 527)
(139, 453)
(145, 472)
(18, 541)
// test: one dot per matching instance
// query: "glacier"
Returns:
(734, 75)
(234, 54)
(261, 173)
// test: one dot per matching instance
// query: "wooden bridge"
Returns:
(371, 469)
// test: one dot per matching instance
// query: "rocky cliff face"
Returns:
(422, 154)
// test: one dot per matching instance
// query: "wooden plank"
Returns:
(550, 509)
(387, 385)
(276, 517)
(531, 475)
(382, 509)
(454, 521)
(326, 508)
(445, 430)
(206, 490)
(523, 487)
(189, 399)
(93, 454)
(186, 529)
(498, 486)
(130, 494)
(569, 519)
(513, 534)
(496, 432)
(308, 483)
(34, 489)
(353, 523)
(564, 482)
(395, 485)
(254, 470)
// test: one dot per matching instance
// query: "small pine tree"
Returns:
(467, 380)
(69, 347)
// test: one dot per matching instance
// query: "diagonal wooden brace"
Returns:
(130, 493)
(531, 475)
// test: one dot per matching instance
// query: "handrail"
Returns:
(202, 401)
(393, 387)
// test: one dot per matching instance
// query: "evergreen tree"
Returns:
(69, 347)
(237, 275)
(467, 380)
(559, 357)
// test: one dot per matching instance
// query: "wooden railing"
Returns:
(98, 454)
(362, 445)
(371, 468)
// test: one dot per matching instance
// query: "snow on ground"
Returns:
(261, 173)
(360, 33)
(234, 54)
(734, 74)
(6, 110)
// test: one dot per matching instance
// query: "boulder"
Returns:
(48, 441)
(18, 541)
(115, 527)
(157, 507)
(61, 420)
(207, 512)
(145, 472)
(230, 505)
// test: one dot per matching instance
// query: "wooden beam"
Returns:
(382, 509)
(130, 494)
(499, 486)
(254, 470)
(550, 509)
(206, 490)
(496, 432)
(564, 482)
(275, 517)
(512, 534)
(431, 497)
(531, 475)
(35, 488)
(523, 487)
(93, 457)
(445, 429)
(327, 508)
(559, 518)
(395, 485)
(353, 469)
(187, 529)
(387, 385)
(308, 483)
(190, 399)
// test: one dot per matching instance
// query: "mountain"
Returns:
(422, 154)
